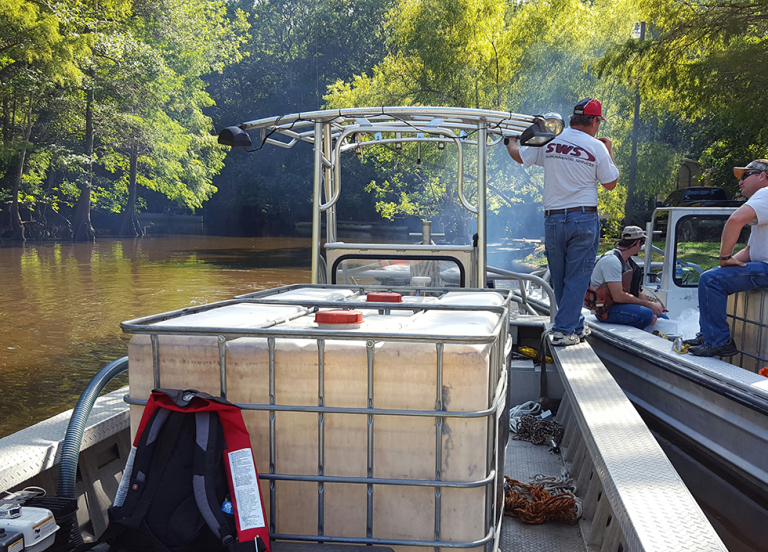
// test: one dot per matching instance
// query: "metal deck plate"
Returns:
(33, 450)
(723, 371)
(655, 510)
(523, 461)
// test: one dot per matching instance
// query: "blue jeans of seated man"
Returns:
(571, 241)
(715, 285)
(631, 315)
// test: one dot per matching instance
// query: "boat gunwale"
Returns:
(691, 369)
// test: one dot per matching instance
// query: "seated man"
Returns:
(747, 269)
(633, 310)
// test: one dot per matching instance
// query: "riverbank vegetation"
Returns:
(112, 107)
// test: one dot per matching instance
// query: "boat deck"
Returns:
(523, 461)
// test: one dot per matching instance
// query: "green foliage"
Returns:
(704, 64)
(138, 67)
(296, 49)
(530, 57)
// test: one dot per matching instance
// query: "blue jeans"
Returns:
(715, 285)
(571, 244)
(631, 315)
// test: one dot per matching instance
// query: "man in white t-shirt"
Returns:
(574, 162)
(747, 269)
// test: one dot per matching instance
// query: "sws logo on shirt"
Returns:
(572, 151)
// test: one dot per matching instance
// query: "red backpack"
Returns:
(190, 483)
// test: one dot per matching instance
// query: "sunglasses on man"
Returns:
(747, 174)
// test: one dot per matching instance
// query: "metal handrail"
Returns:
(393, 128)
(531, 278)
(504, 120)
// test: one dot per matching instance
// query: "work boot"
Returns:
(727, 350)
(696, 341)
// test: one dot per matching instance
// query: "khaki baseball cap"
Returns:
(756, 165)
(632, 233)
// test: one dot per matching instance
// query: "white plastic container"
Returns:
(37, 525)
(405, 377)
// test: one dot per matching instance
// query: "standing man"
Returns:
(747, 269)
(574, 163)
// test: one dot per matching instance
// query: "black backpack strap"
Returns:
(207, 461)
(162, 454)
(624, 265)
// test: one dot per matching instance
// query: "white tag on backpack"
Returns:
(246, 487)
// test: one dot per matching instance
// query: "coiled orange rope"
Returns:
(534, 504)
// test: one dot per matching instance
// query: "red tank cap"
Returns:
(338, 316)
(384, 297)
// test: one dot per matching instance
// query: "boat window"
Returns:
(697, 246)
(361, 269)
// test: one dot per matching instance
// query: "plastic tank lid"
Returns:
(384, 297)
(338, 316)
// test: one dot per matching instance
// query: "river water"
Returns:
(61, 304)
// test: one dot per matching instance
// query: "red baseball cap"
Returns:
(589, 106)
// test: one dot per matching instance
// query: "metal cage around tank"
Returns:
(495, 411)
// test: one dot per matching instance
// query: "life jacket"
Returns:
(190, 483)
(599, 300)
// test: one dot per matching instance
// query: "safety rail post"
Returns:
(154, 339)
(439, 440)
(317, 190)
(482, 231)
(222, 343)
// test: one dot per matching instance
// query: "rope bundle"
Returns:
(516, 412)
(537, 431)
(535, 504)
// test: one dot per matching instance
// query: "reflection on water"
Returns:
(61, 304)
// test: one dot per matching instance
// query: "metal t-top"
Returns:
(338, 130)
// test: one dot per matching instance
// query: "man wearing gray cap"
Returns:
(743, 271)
(630, 306)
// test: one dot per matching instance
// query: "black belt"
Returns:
(570, 210)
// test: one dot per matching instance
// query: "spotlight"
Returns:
(537, 134)
(235, 137)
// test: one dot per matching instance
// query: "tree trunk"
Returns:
(6, 120)
(130, 227)
(82, 229)
(16, 224)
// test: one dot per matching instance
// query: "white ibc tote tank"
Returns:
(404, 378)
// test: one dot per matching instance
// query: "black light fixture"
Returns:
(235, 137)
(542, 131)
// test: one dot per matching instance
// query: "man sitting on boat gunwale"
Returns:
(743, 271)
(631, 309)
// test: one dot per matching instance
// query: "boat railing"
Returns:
(523, 288)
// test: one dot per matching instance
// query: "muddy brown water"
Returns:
(61, 304)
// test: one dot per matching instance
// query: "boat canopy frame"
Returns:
(332, 132)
